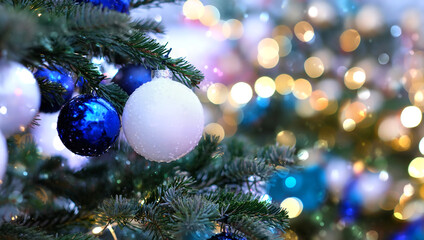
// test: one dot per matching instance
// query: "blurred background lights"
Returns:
(314, 67)
(284, 84)
(349, 125)
(354, 78)
(302, 88)
(349, 40)
(217, 93)
(293, 206)
(193, 9)
(232, 29)
(318, 100)
(265, 87)
(421, 146)
(286, 138)
(290, 182)
(210, 16)
(304, 31)
(215, 129)
(241, 93)
(416, 168)
(411, 116)
(321, 12)
(268, 53)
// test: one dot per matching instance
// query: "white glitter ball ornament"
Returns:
(19, 97)
(3, 156)
(163, 119)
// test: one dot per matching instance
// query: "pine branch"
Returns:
(14, 232)
(117, 210)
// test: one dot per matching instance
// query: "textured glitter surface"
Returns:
(64, 79)
(88, 125)
(130, 77)
(118, 5)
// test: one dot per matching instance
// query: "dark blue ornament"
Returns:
(88, 125)
(117, 5)
(62, 77)
(306, 184)
(413, 231)
(350, 204)
(226, 236)
(130, 77)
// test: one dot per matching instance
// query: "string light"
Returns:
(284, 84)
(215, 129)
(411, 117)
(265, 87)
(304, 31)
(241, 93)
(293, 206)
(302, 88)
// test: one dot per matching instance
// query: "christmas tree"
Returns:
(163, 180)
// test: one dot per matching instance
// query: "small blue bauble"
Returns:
(117, 5)
(88, 125)
(306, 184)
(60, 76)
(130, 77)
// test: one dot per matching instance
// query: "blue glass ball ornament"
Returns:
(60, 76)
(413, 231)
(117, 5)
(88, 125)
(130, 77)
(307, 184)
(226, 236)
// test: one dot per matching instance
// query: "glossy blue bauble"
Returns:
(117, 5)
(130, 77)
(88, 125)
(60, 76)
(307, 184)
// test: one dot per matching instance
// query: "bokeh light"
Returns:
(304, 31)
(210, 16)
(416, 168)
(318, 100)
(354, 78)
(215, 129)
(264, 87)
(411, 117)
(314, 67)
(193, 9)
(293, 206)
(349, 40)
(349, 125)
(232, 29)
(241, 93)
(284, 84)
(302, 88)
(286, 138)
(217, 93)
(268, 53)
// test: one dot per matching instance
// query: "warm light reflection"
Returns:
(350, 40)
(349, 125)
(217, 93)
(302, 88)
(354, 78)
(241, 93)
(284, 84)
(293, 206)
(210, 16)
(318, 100)
(286, 138)
(193, 9)
(215, 129)
(232, 29)
(265, 87)
(304, 31)
(416, 168)
(411, 117)
(314, 67)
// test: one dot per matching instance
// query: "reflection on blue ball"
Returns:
(414, 231)
(88, 125)
(130, 77)
(117, 5)
(254, 110)
(60, 76)
(306, 184)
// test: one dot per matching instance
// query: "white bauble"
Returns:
(19, 97)
(3, 156)
(163, 119)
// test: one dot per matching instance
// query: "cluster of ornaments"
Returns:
(162, 119)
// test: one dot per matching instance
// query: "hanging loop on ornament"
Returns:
(166, 73)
